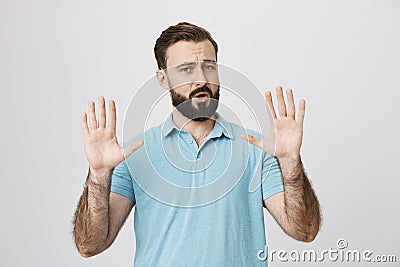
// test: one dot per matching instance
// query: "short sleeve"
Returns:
(121, 181)
(271, 176)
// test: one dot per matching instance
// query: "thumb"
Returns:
(252, 140)
(133, 147)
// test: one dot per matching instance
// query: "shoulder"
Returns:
(237, 130)
(257, 152)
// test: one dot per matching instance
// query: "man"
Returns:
(228, 231)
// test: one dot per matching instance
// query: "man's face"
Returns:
(192, 75)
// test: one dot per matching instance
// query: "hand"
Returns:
(285, 138)
(101, 146)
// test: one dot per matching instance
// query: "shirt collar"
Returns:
(221, 126)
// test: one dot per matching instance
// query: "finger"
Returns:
(281, 101)
(102, 112)
(302, 111)
(92, 116)
(270, 105)
(252, 140)
(133, 147)
(84, 124)
(112, 115)
(290, 99)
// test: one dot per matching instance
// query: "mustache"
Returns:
(203, 89)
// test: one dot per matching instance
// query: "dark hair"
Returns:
(182, 31)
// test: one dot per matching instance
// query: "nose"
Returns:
(199, 78)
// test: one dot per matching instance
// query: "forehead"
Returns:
(189, 51)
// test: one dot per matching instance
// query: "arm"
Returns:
(296, 209)
(100, 214)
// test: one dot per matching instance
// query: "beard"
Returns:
(204, 111)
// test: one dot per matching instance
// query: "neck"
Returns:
(198, 129)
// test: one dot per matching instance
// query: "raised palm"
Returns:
(101, 145)
(286, 135)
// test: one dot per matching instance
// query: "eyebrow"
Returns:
(194, 62)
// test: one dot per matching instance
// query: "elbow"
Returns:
(85, 255)
(86, 252)
(305, 235)
(312, 230)
(87, 247)
(310, 235)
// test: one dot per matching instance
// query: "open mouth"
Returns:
(201, 97)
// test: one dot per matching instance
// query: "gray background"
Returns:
(341, 56)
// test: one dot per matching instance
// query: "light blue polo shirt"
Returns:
(198, 206)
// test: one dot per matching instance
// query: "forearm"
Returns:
(302, 208)
(91, 219)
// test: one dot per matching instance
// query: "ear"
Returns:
(162, 79)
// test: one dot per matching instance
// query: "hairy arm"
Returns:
(99, 215)
(297, 209)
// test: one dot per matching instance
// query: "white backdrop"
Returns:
(341, 56)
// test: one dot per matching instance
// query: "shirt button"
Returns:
(191, 141)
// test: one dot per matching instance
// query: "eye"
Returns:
(210, 67)
(186, 69)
